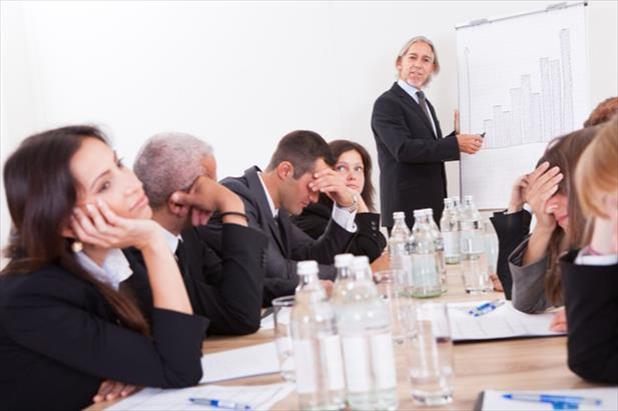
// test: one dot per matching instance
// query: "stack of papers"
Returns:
(258, 359)
(589, 399)
(504, 322)
(258, 397)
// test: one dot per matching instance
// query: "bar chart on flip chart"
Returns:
(522, 81)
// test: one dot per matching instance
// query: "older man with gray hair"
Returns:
(179, 175)
(409, 141)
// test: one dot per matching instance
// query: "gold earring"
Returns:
(77, 246)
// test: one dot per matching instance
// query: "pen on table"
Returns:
(485, 308)
(554, 399)
(220, 403)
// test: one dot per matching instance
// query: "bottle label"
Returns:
(315, 358)
(331, 355)
(367, 356)
(306, 375)
(451, 244)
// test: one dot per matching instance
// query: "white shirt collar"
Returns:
(171, 239)
(411, 90)
(271, 203)
(115, 268)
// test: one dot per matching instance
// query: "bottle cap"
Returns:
(360, 262)
(343, 260)
(399, 214)
(307, 267)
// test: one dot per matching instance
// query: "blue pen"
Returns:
(554, 399)
(220, 404)
(485, 308)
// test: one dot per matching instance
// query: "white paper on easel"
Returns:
(504, 322)
(250, 361)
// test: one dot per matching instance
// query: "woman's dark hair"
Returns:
(564, 152)
(41, 193)
(339, 147)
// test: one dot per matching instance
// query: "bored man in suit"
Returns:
(178, 172)
(410, 145)
(298, 171)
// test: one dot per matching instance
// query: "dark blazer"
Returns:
(410, 156)
(59, 339)
(368, 240)
(591, 298)
(226, 288)
(512, 229)
(288, 244)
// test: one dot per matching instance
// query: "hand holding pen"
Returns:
(485, 308)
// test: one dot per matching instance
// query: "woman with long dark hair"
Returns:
(552, 196)
(65, 329)
(354, 164)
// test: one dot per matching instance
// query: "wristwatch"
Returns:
(352, 208)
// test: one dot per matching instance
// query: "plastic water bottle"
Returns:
(439, 244)
(473, 257)
(449, 226)
(364, 326)
(398, 250)
(317, 349)
(425, 265)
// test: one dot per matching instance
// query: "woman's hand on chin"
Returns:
(100, 226)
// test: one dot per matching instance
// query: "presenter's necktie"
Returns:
(422, 101)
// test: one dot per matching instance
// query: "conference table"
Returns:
(515, 364)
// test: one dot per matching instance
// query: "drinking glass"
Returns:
(431, 356)
(282, 307)
(391, 286)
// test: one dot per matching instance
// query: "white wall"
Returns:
(239, 75)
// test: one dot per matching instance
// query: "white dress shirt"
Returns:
(411, 90)
(115, 268)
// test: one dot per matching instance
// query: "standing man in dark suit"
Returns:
(298, 171)
(410, 145)
(178, 172)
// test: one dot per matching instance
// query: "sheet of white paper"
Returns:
(503, 322)
(242, 362)
(258, 397)
(493, 399)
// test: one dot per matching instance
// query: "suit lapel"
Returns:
(435, 119)
(415, 107)
(267, 222)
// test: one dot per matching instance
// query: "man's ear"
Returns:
(179, 210)
(285, 169)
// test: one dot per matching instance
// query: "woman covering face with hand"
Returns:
(353, 164)
(533, 257)
(65, 329)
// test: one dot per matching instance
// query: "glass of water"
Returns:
(282, 307)
(390, 284)
(431, 356)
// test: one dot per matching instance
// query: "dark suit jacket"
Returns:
(368, 240)
(225, 288)
(59, 339)
(512, 229)
(411, 158)
(288, 244)
(591, 298)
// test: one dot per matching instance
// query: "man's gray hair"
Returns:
(425, 40)
(169, 162)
